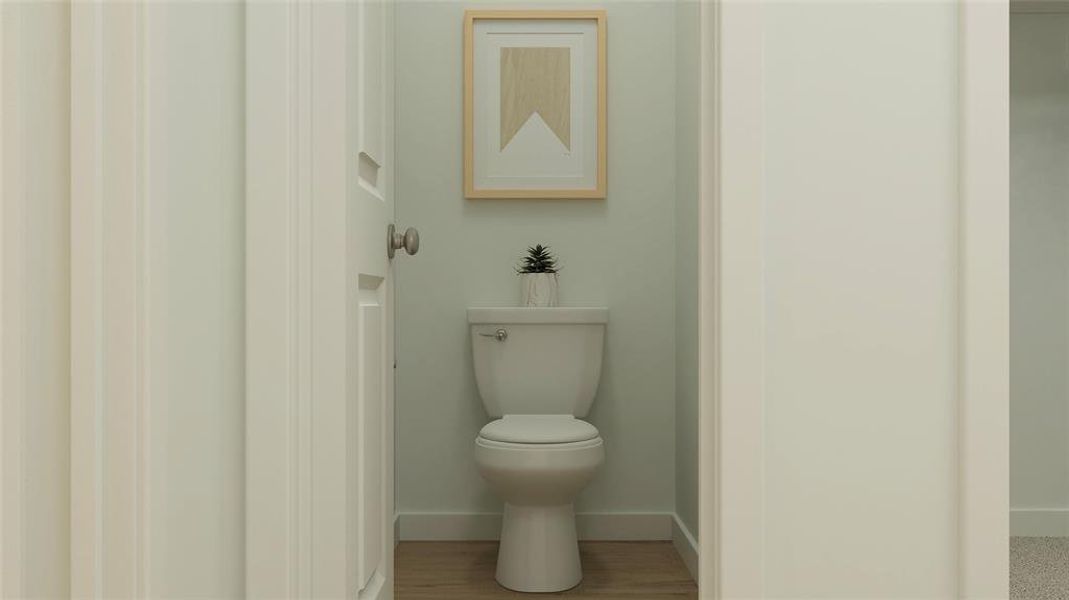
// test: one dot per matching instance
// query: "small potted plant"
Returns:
(538, 277)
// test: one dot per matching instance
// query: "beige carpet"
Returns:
(1039, 568)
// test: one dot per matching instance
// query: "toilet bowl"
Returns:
(537, 370)
(538, 482)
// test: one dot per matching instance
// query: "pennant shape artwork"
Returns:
(536, 80)
(535, 104)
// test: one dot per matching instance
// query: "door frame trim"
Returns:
(731, 436)
(12, 285)
(278, 300)
(731, 321)
(983, 404)
(301, 537)
(115, 240)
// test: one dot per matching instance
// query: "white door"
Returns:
(319, 447)
(370, 332)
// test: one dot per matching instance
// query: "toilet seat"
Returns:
(494, 444)
(538, 429)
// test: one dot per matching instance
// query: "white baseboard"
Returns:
(1039, 522)
(685, 545)
(487, 526)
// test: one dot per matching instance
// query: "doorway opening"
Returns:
(1039, 300)
(633, 252)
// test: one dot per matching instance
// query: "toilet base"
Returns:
(539, 550)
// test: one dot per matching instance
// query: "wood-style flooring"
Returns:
(611, 570)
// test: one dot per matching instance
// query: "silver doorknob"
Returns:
(409, 240)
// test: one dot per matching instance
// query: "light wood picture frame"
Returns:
(534, 81)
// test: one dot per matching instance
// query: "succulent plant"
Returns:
(538, 260)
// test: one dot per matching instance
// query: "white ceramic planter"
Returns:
(538, 289)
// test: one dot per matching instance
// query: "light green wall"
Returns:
(687, 144)
(619, 252)
(1039, 273)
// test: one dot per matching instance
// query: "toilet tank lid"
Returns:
(549, 315)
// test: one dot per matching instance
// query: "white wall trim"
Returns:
(487, 526)
(278, 161)
(708, 298)
(731, 346)
(111, 337)
(12, 283)
(983, 415)
(1039, 522)
(732, 435)
(86, 301)
(686, 546)
(34, 300)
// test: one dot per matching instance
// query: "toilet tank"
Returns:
(547, 362)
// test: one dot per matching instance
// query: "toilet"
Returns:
(537, 370)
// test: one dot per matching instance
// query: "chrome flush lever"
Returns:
(499, 335)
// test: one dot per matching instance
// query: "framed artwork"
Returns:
(534, 104)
